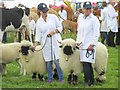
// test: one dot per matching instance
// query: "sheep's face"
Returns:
(68, 50)
(68, 46)
(24, 50)
(25, 47)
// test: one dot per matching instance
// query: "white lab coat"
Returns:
(112, 19)
(42, 30)
(32, 26)
(104, 20)
(88, 33)
(63, 14)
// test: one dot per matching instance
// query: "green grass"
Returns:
(13, 79)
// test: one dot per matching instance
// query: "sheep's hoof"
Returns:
(34, 76)
(72, 79)
(41, 78)
(101, 78)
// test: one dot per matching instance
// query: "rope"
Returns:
(43, 45)
(88, 53)
(51, 49)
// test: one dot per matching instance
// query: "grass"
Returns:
(13, 79)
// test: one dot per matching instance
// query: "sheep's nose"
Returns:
(24, 50)
(68, 50)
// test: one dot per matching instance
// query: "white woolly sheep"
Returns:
(8, 53)
(70, 60)
(32, 61)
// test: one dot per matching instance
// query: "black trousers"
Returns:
(88, 73)
(4, 38)
(111, 36)
(118, 37)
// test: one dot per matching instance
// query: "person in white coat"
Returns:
(63, 14)
(112, 24)
(32, 27)
(88, 33)
(48, 28)
(104, 29)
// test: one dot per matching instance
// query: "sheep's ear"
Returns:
(77, 47)
(60, 46)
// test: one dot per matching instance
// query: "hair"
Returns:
(104, 4)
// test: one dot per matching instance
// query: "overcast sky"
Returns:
(34, 3)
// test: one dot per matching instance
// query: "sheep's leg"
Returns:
(40, 77)
(22, 69)
(70, 78)
(4, 71)
(75, 79)
(101, 77)
(34, 76)
(1, 68)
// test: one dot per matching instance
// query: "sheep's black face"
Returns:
(24, 50)
(68, 50)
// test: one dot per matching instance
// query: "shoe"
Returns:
(49, 81)
(62, 81)
(86, 84)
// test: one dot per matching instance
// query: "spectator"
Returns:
(63, 14)
(112, 24)
(104, 29)
(32, 27)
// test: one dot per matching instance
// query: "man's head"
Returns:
(87, 8)
(2, 5)
(112, 2)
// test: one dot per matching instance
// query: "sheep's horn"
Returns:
(60, 42)
(78, 44)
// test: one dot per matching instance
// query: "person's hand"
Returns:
(90, 48)
(51, 33)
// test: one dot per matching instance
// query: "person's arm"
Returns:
(111, 13)
(96, 31)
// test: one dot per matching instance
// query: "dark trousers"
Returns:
(111, 36)
(88, 73)
(19, 36)
(104, 37)
(32, 37)
(118, 37)
(4, 38)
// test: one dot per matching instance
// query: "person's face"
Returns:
(43, 14)
(112, 2)
(87, 11)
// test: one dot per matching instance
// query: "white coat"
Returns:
(32, 26)
(63, 15)
(104, 20)
(42, 30)
(112, 19)
(88, 33)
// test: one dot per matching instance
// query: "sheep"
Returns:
(70, 60)
(32, 61)
(9, 53)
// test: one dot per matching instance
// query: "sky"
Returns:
(34, 3)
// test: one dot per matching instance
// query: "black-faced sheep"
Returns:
(70, 60)
(32, 61)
